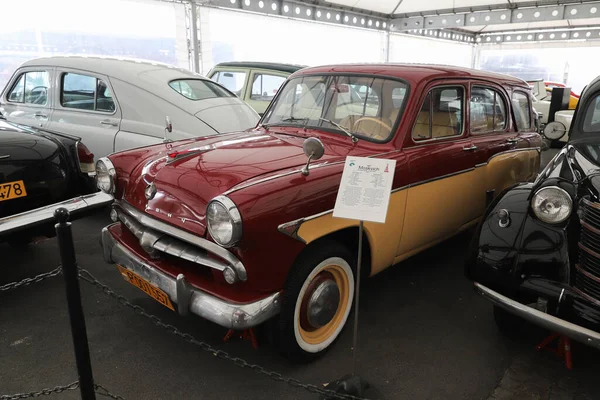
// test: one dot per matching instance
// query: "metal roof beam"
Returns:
(313, 11)
(541, 35)
(516, 14)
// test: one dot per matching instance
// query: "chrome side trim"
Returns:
(268, 178)
(207, 245)
(552, 323)
(46, 214)
(295, 171)
(190, 298)
(538, 149)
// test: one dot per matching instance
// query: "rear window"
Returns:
(198, 89)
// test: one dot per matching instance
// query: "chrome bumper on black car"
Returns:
(45, 214)
(579, 333)
(190, 298)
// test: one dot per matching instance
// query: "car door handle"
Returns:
(471, 148)
(512, 140)
(39, 114)
(109, 123)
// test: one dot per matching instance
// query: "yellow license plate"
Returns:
(12, 190)
(146, 287)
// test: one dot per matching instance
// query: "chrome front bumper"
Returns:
(46, 214)
(189, 298)
(554, 324)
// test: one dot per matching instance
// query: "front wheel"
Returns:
(317, 300)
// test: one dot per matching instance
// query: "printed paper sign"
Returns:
(365, 189)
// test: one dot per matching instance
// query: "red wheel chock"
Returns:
(563, 348)
(246, 334)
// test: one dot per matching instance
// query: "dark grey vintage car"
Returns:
(41, 171)
(536, 253)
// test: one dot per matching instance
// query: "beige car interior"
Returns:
(435, 121)
(379, 124)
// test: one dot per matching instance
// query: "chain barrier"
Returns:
(43, 392)
(88, 277)
(29, 281)
(101, 390)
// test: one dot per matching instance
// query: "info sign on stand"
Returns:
(364, 195)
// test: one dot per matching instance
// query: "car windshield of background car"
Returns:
(368, 107)
(198, 89)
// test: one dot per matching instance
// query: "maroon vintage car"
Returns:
(238, 228)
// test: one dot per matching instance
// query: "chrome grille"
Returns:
(587, 272)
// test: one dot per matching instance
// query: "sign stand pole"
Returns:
(363, 195)
(356, 296)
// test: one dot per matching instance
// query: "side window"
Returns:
(488, 111)
(234, 81)
(265, 86)
(31, 88)
(522, 109)
(85, 92)
(441, 114)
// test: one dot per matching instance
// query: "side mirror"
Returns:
(313, 149)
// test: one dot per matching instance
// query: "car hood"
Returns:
(20, 144)
(227, 114)
(189, 175)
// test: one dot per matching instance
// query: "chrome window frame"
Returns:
(463, 130)
(16, 80)
(496, 91)
(60, 77)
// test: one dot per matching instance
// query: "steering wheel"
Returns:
(39, 99)
(380, 122)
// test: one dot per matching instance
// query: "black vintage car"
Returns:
(536, 253)
(41, 171)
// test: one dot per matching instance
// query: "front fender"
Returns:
(503, 257)
(492, 256)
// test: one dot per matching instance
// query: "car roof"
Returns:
(263, 65)
(125, 69)
(151, 76)
(414, 72)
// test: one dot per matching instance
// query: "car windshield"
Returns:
(367, 107)
(198, 89)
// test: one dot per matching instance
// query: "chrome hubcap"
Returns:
(323, 303)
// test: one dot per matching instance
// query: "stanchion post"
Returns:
(356, 296)
(78, 330)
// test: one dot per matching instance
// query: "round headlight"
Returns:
(224, 221)
(552, 204)
(105, 175)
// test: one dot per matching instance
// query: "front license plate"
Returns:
(12, 190)
(146, 287)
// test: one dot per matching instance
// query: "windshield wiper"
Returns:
(346, 131)
(289, 119)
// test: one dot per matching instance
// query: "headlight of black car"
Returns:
(106, 176)
(552, 204)
(224, 221)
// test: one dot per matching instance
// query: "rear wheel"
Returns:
(317, 300)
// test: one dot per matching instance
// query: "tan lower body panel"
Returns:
(425, 214)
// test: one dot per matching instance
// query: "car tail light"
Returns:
(86, 159)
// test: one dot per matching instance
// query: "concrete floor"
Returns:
(424, 334)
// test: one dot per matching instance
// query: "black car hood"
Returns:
(20, 143)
